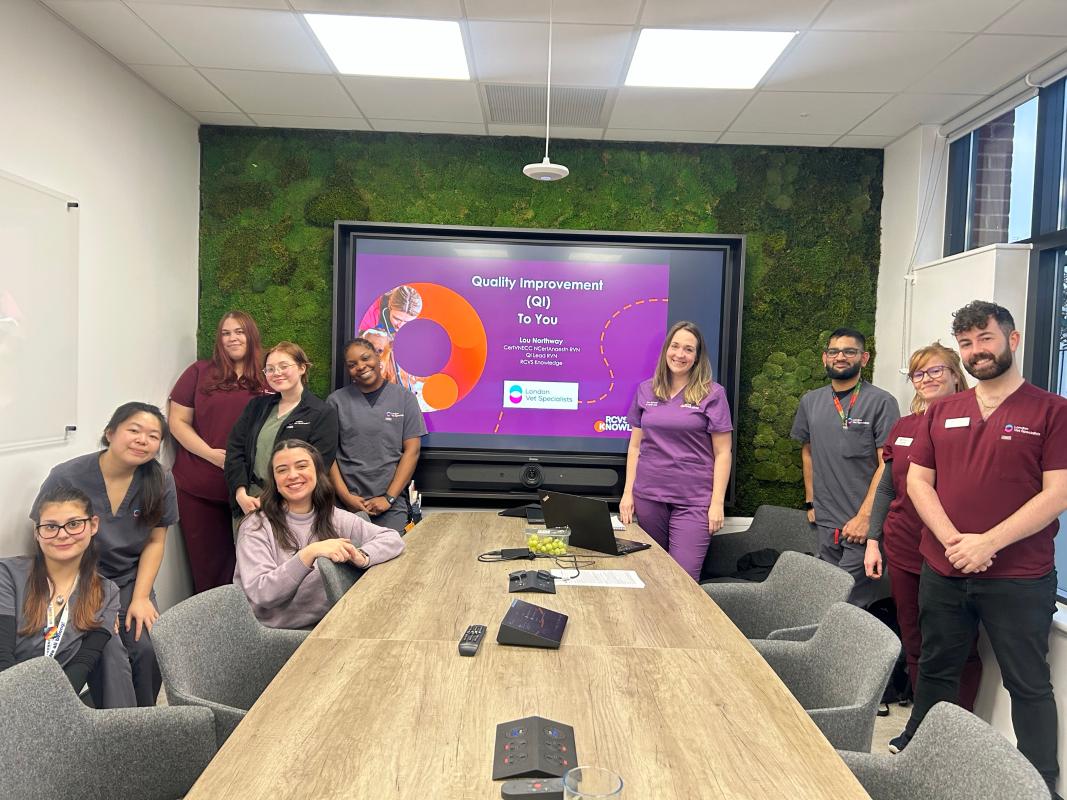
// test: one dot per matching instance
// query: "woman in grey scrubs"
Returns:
(136, 502)
(54, 603)
(381, 430)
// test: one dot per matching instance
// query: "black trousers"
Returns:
(1017, 616)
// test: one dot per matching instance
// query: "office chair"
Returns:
(838, 675)
(213, 652)
(789, 604)
(337, 578)
(954, 756)
(54, 747)
(779, 528)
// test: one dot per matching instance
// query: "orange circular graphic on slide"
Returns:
(469, 345)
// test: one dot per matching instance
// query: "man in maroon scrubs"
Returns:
(988, 477)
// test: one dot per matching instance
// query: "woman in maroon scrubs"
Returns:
(935, 372)
(204, 404)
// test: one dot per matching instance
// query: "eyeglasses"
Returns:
(932, 372)
(285, 366)
(848, 352)
(50, 530)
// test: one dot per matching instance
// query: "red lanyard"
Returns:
(846, 419)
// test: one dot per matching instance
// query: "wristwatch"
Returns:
(390, 499)
(363, 553)
(809, 505)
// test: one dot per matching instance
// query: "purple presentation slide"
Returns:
(528, 348)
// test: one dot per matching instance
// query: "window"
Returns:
(991, 179)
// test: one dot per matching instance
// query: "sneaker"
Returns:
(899, 743)
(883, 709)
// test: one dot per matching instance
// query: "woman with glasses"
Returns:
(935, 372)
(54, 603)
(135, 499)
(291, 412)
(204, 405)
(297, 522)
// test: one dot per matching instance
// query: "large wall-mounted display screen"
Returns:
(530, 340)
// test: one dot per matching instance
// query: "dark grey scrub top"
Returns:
(14, 574)
(121, 537)
(371, 438)
(843, 461)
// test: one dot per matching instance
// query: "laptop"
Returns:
(589, 521)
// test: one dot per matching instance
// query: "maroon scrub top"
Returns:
(214, 415)
(676, 462)
(986, 470)
(902, 529)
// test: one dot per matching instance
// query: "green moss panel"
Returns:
(269, 199)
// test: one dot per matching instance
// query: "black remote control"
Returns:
(468, 645)
(533, 789)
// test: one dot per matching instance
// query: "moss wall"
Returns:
(269, 199)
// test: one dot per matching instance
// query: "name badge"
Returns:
(903, 441)
(958, 422)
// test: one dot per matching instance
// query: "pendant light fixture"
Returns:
(546, 170)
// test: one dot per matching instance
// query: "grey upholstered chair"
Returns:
(789, 604)
(954, 756)
(213, 652)
(838, 675)
(54, 747)
(772, 526)
(337, 578)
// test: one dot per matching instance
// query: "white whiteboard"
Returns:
(38, 313)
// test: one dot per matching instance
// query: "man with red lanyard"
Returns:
(843, 427)
(988, 477)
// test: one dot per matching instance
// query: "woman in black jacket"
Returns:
(293, 412)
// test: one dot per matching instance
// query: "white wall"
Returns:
(913, 167)
(78, 122)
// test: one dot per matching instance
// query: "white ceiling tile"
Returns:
(637, 135)
(409, 98)
(1034, 16)
(911, 15)
(644, 108)
(423, 9)
(806, 112)
(318, 123)
(989, 62)
(877, 142)
(283, 93)
(423, 126)
(186, 87)
(236, 38)
(787, 139)
(905, 111)
(582, 55)
(609, 12)
(278, 5)
(222, 118)
(538, 131)
(118, 30)
(776, 15)
(860, 62)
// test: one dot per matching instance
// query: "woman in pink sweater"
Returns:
(296, 523)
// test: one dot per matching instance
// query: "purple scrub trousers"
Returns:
(680, 530)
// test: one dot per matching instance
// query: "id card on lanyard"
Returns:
(53, 632)
(846, 418)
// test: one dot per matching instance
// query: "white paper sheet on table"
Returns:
(616, 523)
(610, 578)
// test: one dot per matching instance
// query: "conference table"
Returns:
(657, 683)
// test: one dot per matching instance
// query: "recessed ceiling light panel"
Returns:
(393, 47)
(698, 59)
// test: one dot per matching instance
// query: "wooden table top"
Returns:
(657, 683)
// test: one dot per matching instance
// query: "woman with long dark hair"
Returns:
(680, 454)
(135, 500)
(205, 403)
(291, 412)
(54, 603)
(297, 522)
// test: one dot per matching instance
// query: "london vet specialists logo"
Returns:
(515, 393)
(610, 423)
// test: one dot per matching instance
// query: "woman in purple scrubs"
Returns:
(679, 459)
